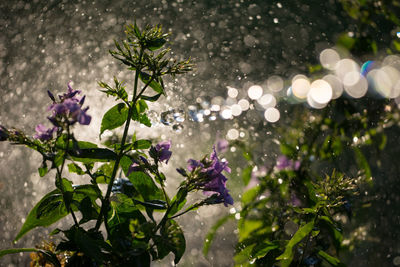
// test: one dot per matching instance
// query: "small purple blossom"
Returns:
(210, 177)
(43, 133)
(69, 106)
(162, 149)
(70, 93)
(3, 133)
(284, 163)
(294, 200)
(222, 145)
(133, 168)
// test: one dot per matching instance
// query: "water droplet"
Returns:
(178, 128)
(171, 116)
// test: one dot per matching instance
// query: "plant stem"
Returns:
(59, 176)
(106, 200)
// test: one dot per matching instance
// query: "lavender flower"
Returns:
(43, 133)
(222, 145)
(207, 176)
(163, 152)
(69, 106)
(283, 163)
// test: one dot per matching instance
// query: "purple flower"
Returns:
(69, 106)
(134, 168)
(193, 164)
(283, 163)
(210, 178)
(294, 200)
(70, 93)
(163, 152)
(3, 133)
(43, 133)
(222, 145)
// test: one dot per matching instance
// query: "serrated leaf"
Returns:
(114, 117)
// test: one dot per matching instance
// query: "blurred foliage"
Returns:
(333, 182)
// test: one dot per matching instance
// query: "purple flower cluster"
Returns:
(70, 107)
(283, 163)
(67, 110)
(210, 178)
(43, 133)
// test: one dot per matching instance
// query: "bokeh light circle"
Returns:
(272, 115)
(329, 58)
(255, 92)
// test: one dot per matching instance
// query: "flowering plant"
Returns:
(116, 226)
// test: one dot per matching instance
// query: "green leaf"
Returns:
(51, 210)
(155, 44)
(178, 201)
(86, 190)
(251, 194)
(362, 163)
(64, 185)
(145, 185)
(143, 119)
(345, 41)
(301, 233)
(75, 168)
(138, 115)
(262, 249)
(172, 240)
(89, 212)
(142, 144)
(325, 221)
(287, 149)
(17, 250)
(330, 259)
(88, 246)
(50, 256)
(151, 98)
(211, 233)
(43, 169)
(246, 174)
(93, 155)
(114, 117)
(145, 78)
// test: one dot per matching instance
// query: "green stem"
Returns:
(59, 176)
(186, 211)
(106, 200)
(160, 180)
